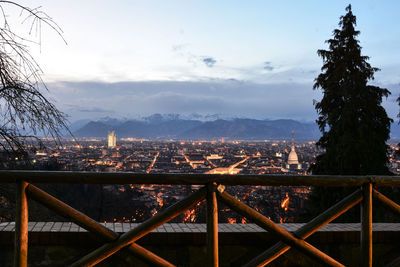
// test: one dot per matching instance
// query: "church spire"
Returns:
(292, 141)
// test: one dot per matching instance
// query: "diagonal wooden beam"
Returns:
(385, 200)
(143, 229)
(310, 228)
(89, 224)
(394, 207)
(281, 233)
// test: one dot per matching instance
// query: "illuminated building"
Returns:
(293, 160)
(112, 140)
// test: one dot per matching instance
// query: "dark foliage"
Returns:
(354, 125)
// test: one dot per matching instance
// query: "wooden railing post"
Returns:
(21, 226)
(212, 225)
(366, 226)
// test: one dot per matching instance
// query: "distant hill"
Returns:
(250, 129)
(157, 126)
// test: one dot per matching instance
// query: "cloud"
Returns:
(179, 47)
(182, 50)
(226, 97)
(268, 66)
(87, 109)
(209, 61)
(95, 110)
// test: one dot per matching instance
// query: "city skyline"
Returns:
(253, 59)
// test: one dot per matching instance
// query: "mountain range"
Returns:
(172, 126)
(166, 127)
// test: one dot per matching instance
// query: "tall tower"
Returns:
(112, 140)
(293, 159)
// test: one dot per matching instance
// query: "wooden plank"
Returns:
(366, 226)
(143, 229)
(385, 200)
(278, 231)
(168, 178)
(212, 226)
(91, 225)
(21, 226)
(311, 227)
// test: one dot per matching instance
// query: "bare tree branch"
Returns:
(25, 112)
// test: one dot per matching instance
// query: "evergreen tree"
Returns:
(354, 125)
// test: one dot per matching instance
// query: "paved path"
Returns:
(195, 227)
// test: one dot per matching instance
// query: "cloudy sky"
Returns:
(235, 58)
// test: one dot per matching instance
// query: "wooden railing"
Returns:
(213, 190)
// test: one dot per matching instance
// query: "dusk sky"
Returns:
(235, 58)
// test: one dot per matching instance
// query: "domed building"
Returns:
(293, 160)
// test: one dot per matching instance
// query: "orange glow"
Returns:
(190, 214)
(231, 220)
(153, 162)
(285, 203)
(228, 170)
(244, 220)
(160, 201)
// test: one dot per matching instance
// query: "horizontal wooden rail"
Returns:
(57, 177)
